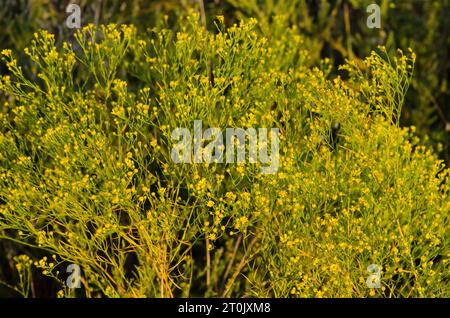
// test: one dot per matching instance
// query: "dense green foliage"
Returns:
(87, 178)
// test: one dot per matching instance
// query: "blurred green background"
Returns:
(336, 30)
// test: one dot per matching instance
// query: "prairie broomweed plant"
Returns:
(86, 175)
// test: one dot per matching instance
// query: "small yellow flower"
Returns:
(6, 53)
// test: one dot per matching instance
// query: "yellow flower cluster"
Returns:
(86, 170)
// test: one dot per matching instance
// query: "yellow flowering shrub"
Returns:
(86, 175)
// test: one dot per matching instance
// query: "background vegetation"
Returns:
(86, 175)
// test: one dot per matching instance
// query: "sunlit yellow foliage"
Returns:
(86, 174)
